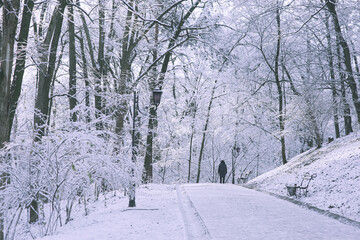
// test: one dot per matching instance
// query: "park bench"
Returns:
(243, 177)
(302, 189)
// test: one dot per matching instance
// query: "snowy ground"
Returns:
(156, 216)
(336, 187)
(203, 211)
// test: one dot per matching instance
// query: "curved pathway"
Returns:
(233, 212)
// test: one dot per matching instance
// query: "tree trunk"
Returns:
(314, 125)
(48, 53)
(347, 58)
(125, 72)
(308, 95)
(332, 79)
(190, 151)
(95, 70)
(204, 132)
(279, 88)
(20, 60)
(148, 169)
(357, 69)
(344, 101)
(52, 87)
(152, 125)
(346, 106)
(72, 65)
(159, 83)
(233, 168)
(131, 39)
(85, 74)
(356, 62)
(9, 26)
(99, 81)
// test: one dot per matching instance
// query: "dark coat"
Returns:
(222, 168)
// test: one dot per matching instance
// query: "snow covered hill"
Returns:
(336, 187)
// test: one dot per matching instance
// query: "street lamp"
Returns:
(156, 100)
(157, 96)
(235, 153)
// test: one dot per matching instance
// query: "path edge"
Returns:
(335, 216)
(183, 196)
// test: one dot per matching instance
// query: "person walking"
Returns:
(222, 171)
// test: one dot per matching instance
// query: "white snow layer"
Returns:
(336, 187)
(225, 211)
(203, 211)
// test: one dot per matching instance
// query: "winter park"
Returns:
(179, 119)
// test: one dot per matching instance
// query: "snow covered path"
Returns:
(233, 212)
(201, 212)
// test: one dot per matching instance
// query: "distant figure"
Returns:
(222, 171)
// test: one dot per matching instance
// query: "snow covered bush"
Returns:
(56, 171)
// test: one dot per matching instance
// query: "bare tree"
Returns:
(72, 64)
(279, 87)
(9, 27)
(334, 91)
(47, 50)
(346, 55)
(204, 131)
(159, 83)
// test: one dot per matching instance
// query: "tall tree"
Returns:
(85, 75)
(48, 51)
(99, 80)
(20, 60)
(133, 34)
(152, 123)
(279, 87)
(9, 27)
(334, 92)
(128, 45)
(72, 64)
(331, 5)
(95, 64)
(202, 147)
(159, 83)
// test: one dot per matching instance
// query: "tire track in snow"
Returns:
(194, 226)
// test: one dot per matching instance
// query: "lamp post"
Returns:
(152, 125)
(156, 96)
(235, 153)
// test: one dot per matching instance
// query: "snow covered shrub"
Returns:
(56, 171)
